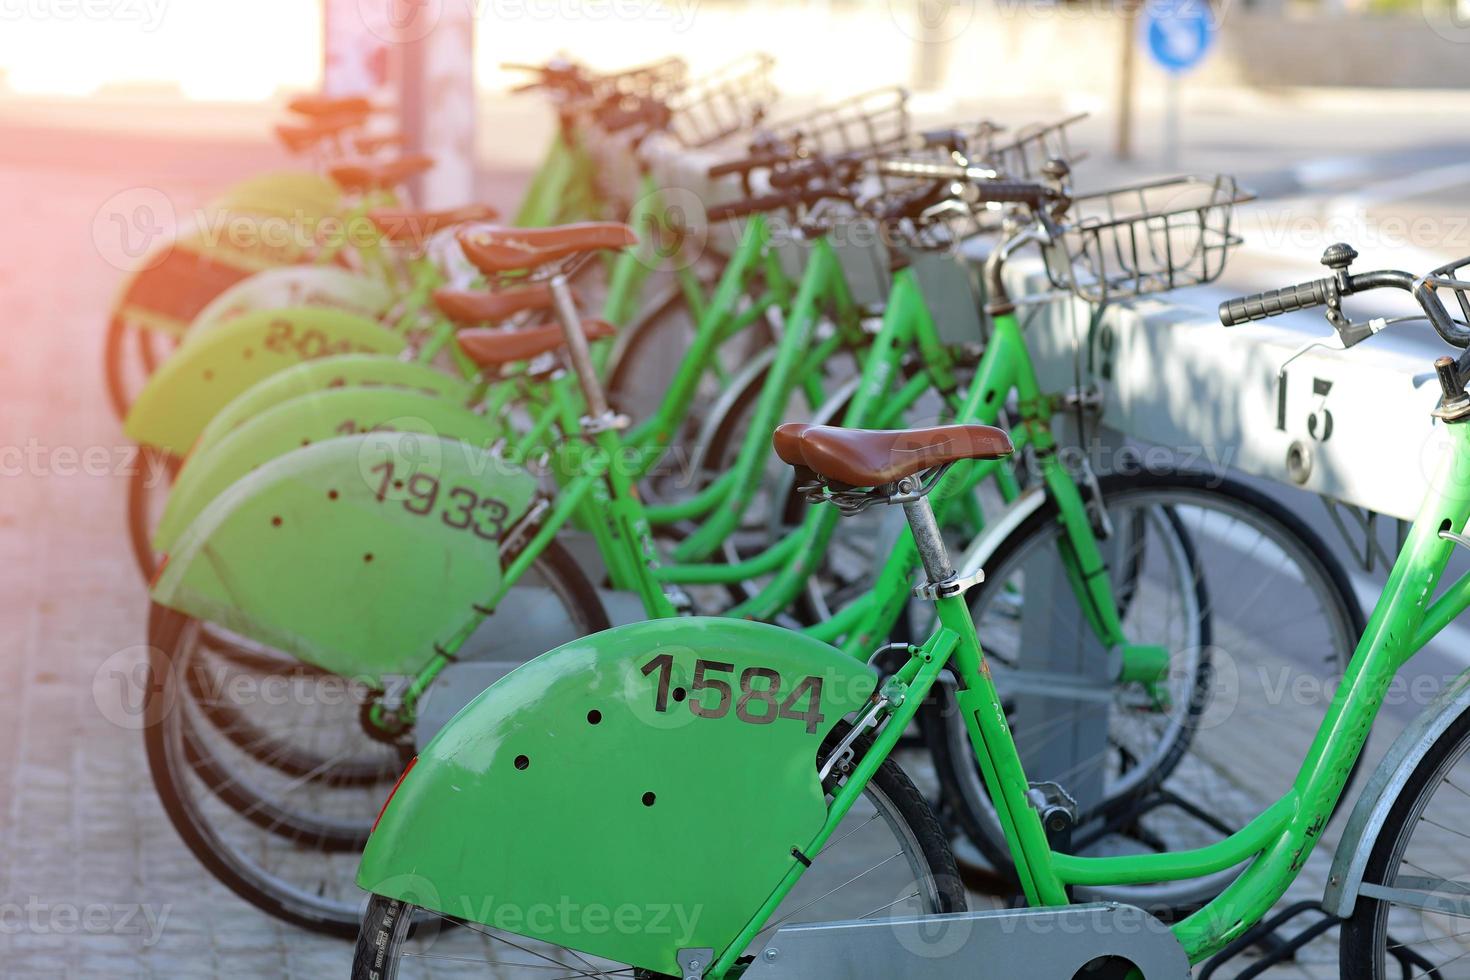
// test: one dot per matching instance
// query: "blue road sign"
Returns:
(1177, 33)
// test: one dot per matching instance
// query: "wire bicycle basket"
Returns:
(657, 80)
(870, 121)
(731, 100)
(1146, 238)
(1022, 154)
(950, 220)
(1450, 277)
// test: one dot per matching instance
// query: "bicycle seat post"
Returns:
(927, 539)
(577, 350)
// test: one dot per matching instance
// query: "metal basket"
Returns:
(1451, 277)
(726, 102)
(1148, 238)
(870, 121)
(1020, 154)
(657, 80)
(1015, 154)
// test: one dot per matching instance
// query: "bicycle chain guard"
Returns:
(303, 421)
(700, 788)
(203, 376)
(406, 525)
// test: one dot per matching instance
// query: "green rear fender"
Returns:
(625, 794)
(297, 194)
(316, 417)
(358, 554)
(341, 370)
(296, 285)
(203, 376)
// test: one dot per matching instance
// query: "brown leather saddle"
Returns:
(408, 226)
(493, 348)
(362, 177)
(877, 457)
(471, 307)
(317, 105)
(300, 137)
(498, 250)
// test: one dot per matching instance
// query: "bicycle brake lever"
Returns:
(1346, 336)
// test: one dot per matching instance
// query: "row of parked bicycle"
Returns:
(414, 485)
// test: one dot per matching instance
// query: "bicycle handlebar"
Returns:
(615, 118)
(772, 202)
(983, 185)
(1259, 306)
(911, 203)
(1273, 302)
(755, 161)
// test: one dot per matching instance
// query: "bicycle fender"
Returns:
(295, 285)
(177, 278)
(315, 417)
(752, 373)
(1382, 791)
(202, 377)
(303, 195)
(995, 532)
(337, 371)
(584, 779)
(358, 554)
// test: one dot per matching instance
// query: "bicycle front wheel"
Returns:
(887, 859)
(1417, 922)
(1252, 613)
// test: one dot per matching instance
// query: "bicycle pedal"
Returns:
(682, 601)
(1058, 812)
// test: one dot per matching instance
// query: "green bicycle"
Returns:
(181, 280)
(725, 775)
(277, 320)
(533, 578)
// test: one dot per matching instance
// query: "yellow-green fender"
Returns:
(202, 377)
(624, 776)
(311, 418)
(284, 193)
(260, 223)
(296, 285)
(358, 554)
(338, 371)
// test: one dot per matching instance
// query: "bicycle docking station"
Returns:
(991, 943)
(1275, 403)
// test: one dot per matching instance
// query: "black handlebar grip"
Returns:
(1010, 192)
(1273, 302)
(745, 165)
(751, 205)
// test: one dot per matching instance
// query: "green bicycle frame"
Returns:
(1279, 840)
(595, 487)
(1004, 368)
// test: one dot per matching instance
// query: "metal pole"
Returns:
(438, 97)
(1123, 146)
(1171, 122)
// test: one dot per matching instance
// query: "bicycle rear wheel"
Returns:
(267, 769)
(1251, 610)
(888, 858)
(123, 377)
